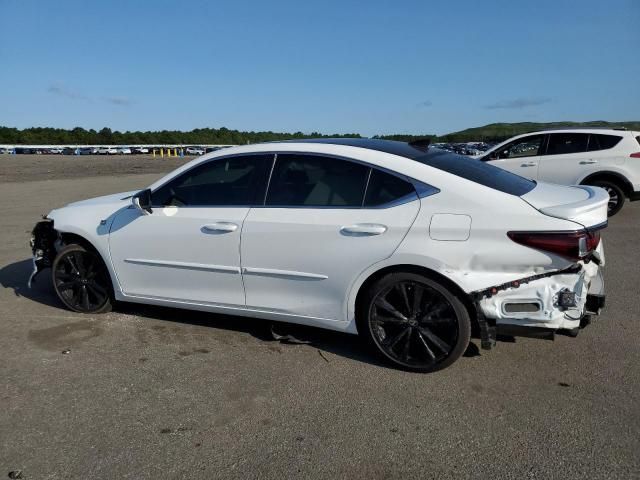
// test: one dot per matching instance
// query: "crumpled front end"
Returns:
(540, 305)
(43, 247)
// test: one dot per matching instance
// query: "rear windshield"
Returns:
(478, 171)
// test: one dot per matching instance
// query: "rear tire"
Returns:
(81, 280)
(414, 322)
(616, 195)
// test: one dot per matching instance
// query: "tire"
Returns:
(81, 280)
(414, 322)
(616, 195)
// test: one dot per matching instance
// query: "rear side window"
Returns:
(222, 182)
(478, 171)
(599, 141)
(384, 188)
(316, 181)
(563, 143)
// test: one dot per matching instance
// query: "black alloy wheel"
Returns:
(616, 196)
(416, 323)
(81, 280)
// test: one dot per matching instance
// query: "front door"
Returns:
(188, 249)
(521, 156)
(325, 221)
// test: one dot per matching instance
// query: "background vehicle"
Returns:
(605, 158)
(107, 151)
(140, 150)
(194, 151)
(124, 151)
(404, 245)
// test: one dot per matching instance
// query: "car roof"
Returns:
(393, 147)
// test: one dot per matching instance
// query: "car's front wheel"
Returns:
(81, 280)
(415, 322)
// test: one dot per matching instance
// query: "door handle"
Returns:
(588, 162)
(219, 227)
(363, 229)
(529, 164)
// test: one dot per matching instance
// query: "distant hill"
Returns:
(501, 131)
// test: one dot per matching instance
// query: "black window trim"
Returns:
(422, 189)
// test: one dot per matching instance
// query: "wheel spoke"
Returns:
(61, 275)
(437, 341)
(382, 303)
(98, 288)
(79, 258)
(407, 346)
(67, 285)
(405, 297)
(393, 341)
(98, 296)
(72, 263)
(386, 319)
(417, 298)
(426, 348)
(85, 298)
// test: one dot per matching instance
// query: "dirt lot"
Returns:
(24, 168)
(161, 393)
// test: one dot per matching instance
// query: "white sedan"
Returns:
(408, 246)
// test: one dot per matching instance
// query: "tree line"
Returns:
(494, 132)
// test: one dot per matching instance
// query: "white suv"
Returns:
(602, 157)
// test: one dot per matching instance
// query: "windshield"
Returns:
(477, 171)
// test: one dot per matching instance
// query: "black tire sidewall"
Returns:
(464, 322)
(612, 185)
(106, 307)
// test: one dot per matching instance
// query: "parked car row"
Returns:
(469, 148)
(102, 150)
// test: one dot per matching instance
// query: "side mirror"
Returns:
(142, 201)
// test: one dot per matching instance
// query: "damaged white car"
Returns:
(409, 247)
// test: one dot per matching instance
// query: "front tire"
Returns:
(414, 322)
(616, 196)
(81, 280)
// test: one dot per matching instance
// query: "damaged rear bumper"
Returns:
(540, 305)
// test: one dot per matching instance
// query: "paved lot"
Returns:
(163, 393)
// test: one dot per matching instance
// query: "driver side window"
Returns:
(236, 181)
(524, 147)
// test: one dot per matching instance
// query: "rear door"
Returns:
(522, 156)
(566, 158)
(325, 220)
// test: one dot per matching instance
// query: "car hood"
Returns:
(115, 198)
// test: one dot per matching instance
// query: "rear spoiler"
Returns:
(580, 212)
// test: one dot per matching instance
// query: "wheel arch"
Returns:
(68, 238)
(419, 270)
(615, 177)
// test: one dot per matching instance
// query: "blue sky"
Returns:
(333, 66)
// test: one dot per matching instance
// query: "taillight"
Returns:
(572, 245)
(635, 155)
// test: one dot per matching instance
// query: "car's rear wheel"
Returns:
(81, 280)
(415, 322)
(616, 195)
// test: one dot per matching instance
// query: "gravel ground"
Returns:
(148, 392)
(24, 168)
